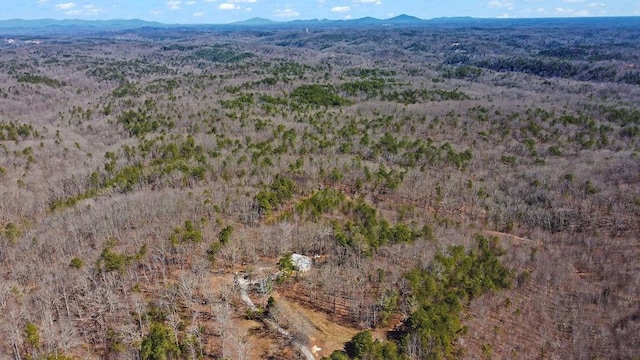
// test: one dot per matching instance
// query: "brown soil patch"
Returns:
(325, 334)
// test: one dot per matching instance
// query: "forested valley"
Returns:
(416, 191)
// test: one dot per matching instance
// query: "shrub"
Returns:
(32, 335)
(360, 344)
(159, 344)
(280, 191)
(186, 234)
(76, 263)
(318, 95)
(225, 234)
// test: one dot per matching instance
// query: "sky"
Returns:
(225, 11)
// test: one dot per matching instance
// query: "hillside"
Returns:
(463, 191)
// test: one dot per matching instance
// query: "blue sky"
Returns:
(224, 11)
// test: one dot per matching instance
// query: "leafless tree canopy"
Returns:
(141, 171)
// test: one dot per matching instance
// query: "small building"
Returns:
(301, 263)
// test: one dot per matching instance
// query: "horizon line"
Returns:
(327, 19)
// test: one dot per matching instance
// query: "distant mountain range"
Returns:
(19, 26)
(133, 24)
(117, 24)
(402, 19)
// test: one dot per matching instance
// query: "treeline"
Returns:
(221, 54)
(17, 131)
(467, 67)
(40, 79)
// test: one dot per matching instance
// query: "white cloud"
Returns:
(340, 9)
(42, 1)
(348, 17)
(570, 12)
(199, 14)
(507, 4)
(285, 13)
(232, 2)
(86, 10)
(227, 6)
(191, 2)
(174, 5)
(66, 6)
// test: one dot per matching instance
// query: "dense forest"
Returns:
(417, 191)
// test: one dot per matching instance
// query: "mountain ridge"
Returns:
(33, 25)
(40, 23)
(137, 23)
